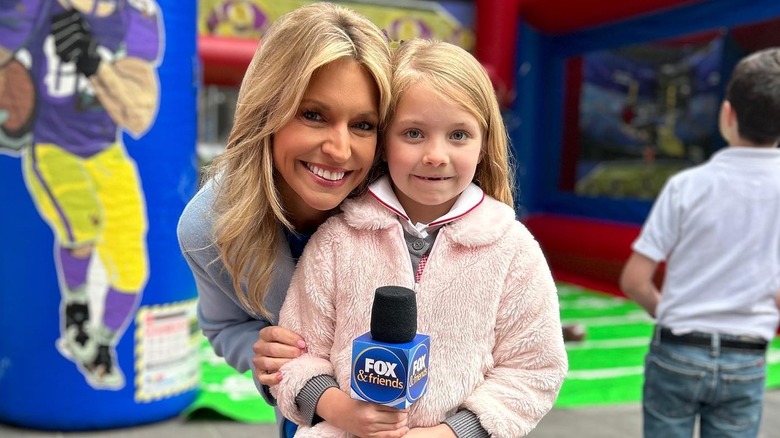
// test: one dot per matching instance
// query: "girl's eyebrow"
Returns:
(412, 121)
(422, 122)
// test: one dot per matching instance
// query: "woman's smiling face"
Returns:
(326, 150)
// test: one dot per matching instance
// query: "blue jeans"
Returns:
(723, 387)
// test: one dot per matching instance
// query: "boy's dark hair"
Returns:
(754, 93)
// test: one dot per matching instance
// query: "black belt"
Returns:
(701, 339)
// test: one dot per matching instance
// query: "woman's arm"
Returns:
(232, 331)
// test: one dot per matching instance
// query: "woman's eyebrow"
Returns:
(324, 106)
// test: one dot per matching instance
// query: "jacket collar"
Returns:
(383, 192)
(487, 222)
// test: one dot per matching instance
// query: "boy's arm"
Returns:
(636, 282)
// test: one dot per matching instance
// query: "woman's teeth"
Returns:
(325, 174)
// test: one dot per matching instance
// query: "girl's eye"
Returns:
(414, 134)
(459, 135)
(364, 126)
(313, 116)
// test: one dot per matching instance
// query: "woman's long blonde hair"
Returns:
(248, 207)
(456, 75)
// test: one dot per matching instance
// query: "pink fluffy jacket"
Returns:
(486, 298)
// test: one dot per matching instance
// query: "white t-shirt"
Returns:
(717, 226)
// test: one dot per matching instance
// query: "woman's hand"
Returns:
(440, 431)
(362, 419)
(275, 347)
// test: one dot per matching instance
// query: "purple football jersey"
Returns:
(69, 113)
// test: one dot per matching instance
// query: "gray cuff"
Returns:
(307, 399)
(265, 391)
(465, 424)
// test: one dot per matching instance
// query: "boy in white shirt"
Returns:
(716, 227)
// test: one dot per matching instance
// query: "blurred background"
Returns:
(604, 100)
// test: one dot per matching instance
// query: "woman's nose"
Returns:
(337, 145)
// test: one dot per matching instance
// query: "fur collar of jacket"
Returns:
(489, 219)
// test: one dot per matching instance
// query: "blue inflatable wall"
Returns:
(542, 93)
(97, 160)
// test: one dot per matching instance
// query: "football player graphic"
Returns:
(93, 71)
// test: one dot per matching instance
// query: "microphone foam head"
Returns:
(394, 315)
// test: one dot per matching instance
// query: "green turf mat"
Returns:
(227, 392)
(607, 368)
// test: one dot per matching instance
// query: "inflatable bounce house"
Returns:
(607, 99)
(603, 99)
(97, 160)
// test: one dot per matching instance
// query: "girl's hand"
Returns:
(275, 347)
(365, 420)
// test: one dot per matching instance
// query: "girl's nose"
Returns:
(435, 153)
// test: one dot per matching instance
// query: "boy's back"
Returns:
(718, 228)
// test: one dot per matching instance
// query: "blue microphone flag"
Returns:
(394, 375)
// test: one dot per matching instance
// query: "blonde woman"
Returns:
(442, 223)
(304, 138)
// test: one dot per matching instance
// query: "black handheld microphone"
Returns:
(390, 363)
(394, 315)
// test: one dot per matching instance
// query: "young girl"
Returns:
(442, 223)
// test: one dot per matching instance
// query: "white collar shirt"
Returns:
(717, 226)
(469, 199)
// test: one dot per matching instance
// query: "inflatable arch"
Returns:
(97, 324)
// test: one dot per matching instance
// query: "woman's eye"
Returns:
(414, 134)
(311, 115)
(459, 136)
(364, 126)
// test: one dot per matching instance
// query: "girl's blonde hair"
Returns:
(248, 207)
(457, 76)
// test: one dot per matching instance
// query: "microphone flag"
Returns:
(393, 373)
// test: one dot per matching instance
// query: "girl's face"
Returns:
(326, 150)
(433, 147)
